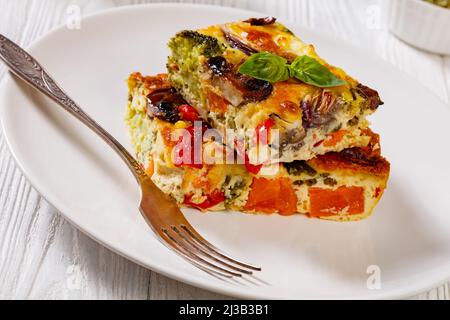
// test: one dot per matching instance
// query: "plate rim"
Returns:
(402, 292)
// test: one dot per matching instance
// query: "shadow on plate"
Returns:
(73, 131)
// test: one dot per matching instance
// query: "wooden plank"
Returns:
(41, 255)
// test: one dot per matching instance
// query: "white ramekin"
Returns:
(421, 24)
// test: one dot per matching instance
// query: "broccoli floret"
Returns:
(207, 46)
(185, 64)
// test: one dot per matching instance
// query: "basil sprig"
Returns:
(273, 68)
(310, 71)
(266, 66)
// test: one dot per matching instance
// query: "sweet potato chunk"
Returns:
(269, 196)
(329, 202)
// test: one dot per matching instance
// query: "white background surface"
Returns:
(42, 256)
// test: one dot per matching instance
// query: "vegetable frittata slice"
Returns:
(257, 74)
(341, 186)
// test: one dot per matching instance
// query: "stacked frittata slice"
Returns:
(300, 141)
(255, 73)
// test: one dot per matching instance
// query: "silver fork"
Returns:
(158, 209)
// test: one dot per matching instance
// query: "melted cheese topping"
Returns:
(284, 104)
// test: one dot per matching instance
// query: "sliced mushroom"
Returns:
(261, 21)
(229, 92)
(293, 138)
(237, 88)
(163, 104)
(291, 134)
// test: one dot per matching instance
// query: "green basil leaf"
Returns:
(312, 72)
(266, 66)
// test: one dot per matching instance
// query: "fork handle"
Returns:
(28, 69)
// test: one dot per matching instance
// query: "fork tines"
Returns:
(189, 244)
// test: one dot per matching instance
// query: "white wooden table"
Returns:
(43, 257)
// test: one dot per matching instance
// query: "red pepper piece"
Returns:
(212, 199)
(188, 113)
(252, 168)
(188, 145)
(241, 152)
(262, 131)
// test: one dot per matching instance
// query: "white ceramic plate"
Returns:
(407, 238)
